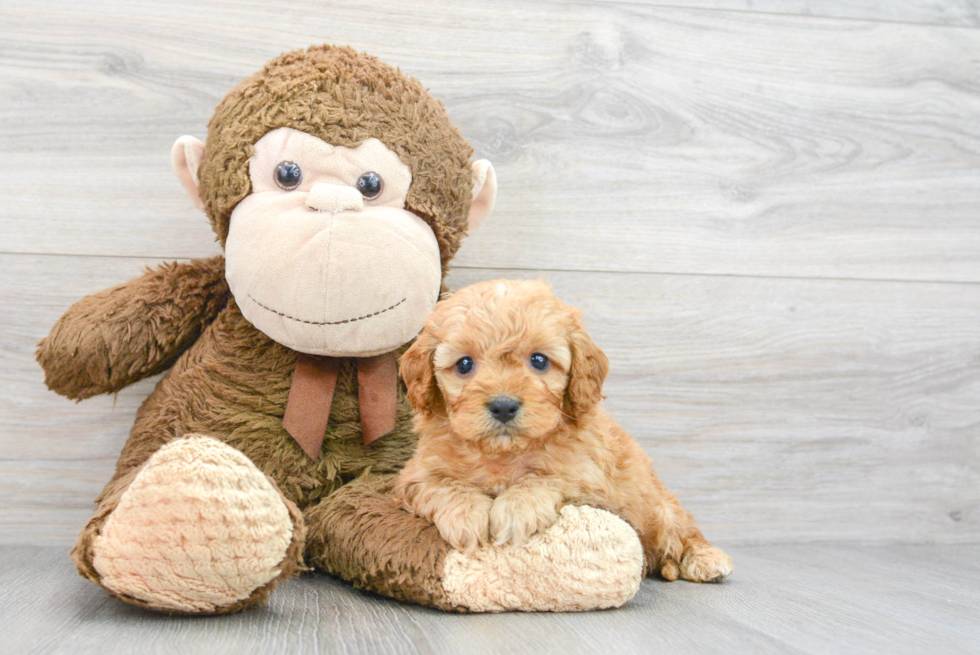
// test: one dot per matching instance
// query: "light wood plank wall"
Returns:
(769, 211)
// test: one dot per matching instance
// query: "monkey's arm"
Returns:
(115, 337)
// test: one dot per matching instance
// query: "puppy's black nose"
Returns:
(504, 408)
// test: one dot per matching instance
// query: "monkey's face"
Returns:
(322, 255)
(335, 235)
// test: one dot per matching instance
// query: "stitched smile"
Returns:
(349, 320)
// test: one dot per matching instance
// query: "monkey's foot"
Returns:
(588, 559)
(200, 530)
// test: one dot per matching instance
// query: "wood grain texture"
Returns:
(963, 13)
(627, 137)
(778, 410)
(781, 599)
(767, 210)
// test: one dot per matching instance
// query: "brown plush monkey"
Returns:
(339, 190)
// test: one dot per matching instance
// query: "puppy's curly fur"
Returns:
(484, 480)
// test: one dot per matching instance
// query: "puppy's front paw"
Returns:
(517, 514)
(464, 522)
(705, 564)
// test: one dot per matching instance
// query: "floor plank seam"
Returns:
(665, 273)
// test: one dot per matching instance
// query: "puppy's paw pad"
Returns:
(589, 559)
(200, 528)
(464, 539)
(465, 524)
(705, 564)
(669, 570)
(514, 518)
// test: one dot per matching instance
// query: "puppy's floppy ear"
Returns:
(415, 367)
(589, 369)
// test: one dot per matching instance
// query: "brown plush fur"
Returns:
(232, 384)
(132, 331)
(400, 551)
(229, 381)
(481, 480)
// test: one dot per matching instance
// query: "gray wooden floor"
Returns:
(783, 599)
(769, 211)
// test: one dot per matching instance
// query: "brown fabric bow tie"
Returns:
(311, 394)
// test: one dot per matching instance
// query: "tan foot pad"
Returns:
(589, 559)
(707, 564)
(200, 528)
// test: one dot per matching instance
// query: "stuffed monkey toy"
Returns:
(339, 191)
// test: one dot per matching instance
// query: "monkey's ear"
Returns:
(186, 156)
(484, 192)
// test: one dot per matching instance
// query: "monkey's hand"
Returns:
(118, 336)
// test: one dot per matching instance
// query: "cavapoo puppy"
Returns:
(506, 387)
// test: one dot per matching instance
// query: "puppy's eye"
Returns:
(370, 184)
(464, 365)
(288, 175)
(539, 362)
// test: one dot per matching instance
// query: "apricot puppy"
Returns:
(506, 387)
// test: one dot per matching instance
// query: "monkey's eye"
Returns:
(370, 184)
(539, 361)
(464, 365)
(288, 175)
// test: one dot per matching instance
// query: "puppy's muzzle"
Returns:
(504, 408)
